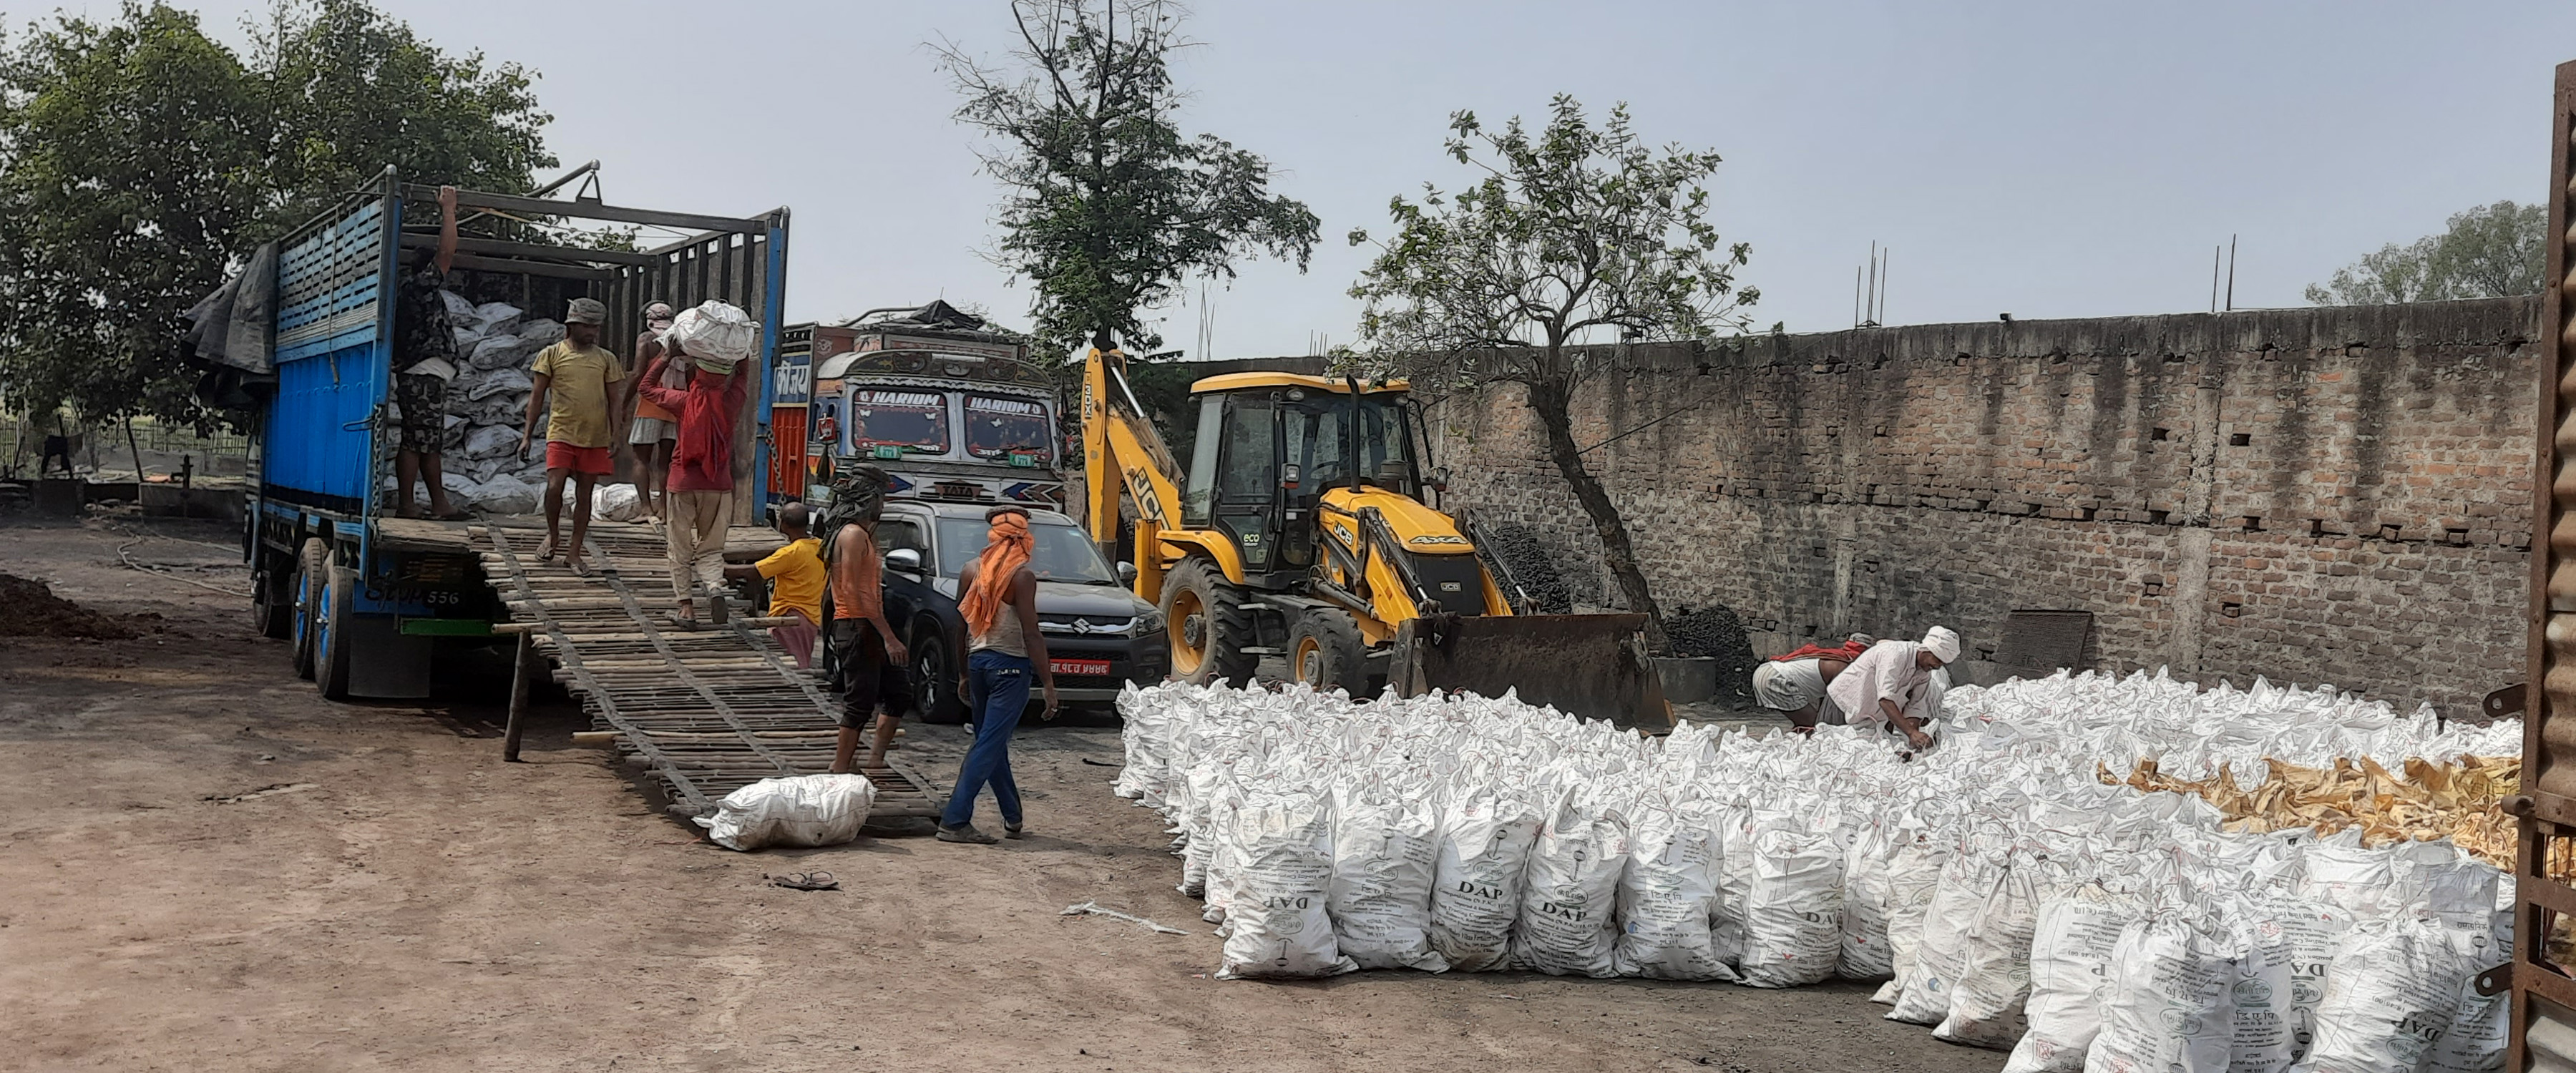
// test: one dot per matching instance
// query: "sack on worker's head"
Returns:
(714, 335)
(803, 810)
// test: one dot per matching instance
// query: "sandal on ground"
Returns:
(966, 832)
(579, 567)
(546, 551)
(806, 881)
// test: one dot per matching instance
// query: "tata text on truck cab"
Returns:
(948, 406)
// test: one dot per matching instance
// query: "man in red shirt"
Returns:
(701, 478)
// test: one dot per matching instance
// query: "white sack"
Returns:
(1666, 898)
(2393, 992)
(1923, 997)
(2476, 1039)
(1569, 894)
(1734, 883)
(1279, 922)
(1793, 913)
(491, 441)
(1384, 850)
(2165, 1008)
(614, 502)
(803, 810)
(1994, 964)
(1913, 876)
(2070, 958)
(1865, 951)
(2262, 1001)
(505, 494)
(1476, 884)
(484, 385)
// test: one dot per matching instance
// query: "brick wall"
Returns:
(2337, 495)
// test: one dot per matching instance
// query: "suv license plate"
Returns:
(1079, 666)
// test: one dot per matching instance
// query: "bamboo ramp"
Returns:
(707, 711)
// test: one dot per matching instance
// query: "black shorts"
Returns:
(866, 679)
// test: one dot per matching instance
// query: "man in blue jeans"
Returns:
(1004, 647)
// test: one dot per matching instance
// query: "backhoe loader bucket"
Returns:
(1590, 666)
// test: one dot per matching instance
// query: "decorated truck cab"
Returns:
(949, 406)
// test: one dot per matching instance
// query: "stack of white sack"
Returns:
(2010, 898)
(487, 406)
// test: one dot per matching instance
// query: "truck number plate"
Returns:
(1079, 666)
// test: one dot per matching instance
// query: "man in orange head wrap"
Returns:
(1004, 647)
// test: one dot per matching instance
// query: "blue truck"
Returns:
(369, 599)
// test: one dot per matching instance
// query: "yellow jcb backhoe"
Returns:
(1298, 530)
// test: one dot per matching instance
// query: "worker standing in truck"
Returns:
(575, 384)
(424, 361)
(656, 429)
(701, 475)
(1891, 686)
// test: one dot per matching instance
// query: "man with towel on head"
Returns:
(1004, 648)
(1892, 685)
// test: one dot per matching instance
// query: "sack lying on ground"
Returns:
(803, 810)
(1666, 897)
(1384, 850)
(1476, 884)
(1279, 926)
(1568, 923)
(1793, 913)
(2071, 943)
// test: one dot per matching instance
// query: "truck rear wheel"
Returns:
(1324, 652)
(331, 641)
(272, 599)
(312, 563)
(1209, 625)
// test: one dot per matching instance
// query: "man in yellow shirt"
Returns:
(796, 575)
(572, 379)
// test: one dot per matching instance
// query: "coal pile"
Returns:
(1518, 548)
(1714, 632)
(34, 611)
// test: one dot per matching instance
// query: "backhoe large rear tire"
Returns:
(1324, 652)
(1210, 626)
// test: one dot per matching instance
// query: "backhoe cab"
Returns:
(1298, 530)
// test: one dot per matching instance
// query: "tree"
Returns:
(129, 158)
(1108, 207)
(1576, 234)
(2490, 251)
(139, 158)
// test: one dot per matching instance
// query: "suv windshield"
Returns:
(915, 419)
(1062, 553)
(999, 427)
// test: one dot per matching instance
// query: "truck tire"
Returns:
(331, 642)
(312, 565)
(1324, 652)
(934, 681)
(272, 599)
(1210, 626)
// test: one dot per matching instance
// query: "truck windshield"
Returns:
(908, 419)
(999, 427)
(1062, 552)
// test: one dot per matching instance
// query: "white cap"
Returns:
(1942, 643)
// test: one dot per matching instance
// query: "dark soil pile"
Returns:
(1517, 546)
(1714, 631)
(30, 609)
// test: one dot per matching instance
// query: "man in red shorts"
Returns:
(572, 388)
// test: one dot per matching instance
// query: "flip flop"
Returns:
(456, 516)
(681, 622)
(806, 881)
(546, 552)
(579, 567)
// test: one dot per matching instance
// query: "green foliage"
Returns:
(139, 157)
(1108, 206)
(1578, 234)
(2490, 251)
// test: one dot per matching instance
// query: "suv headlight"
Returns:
(1147, 623)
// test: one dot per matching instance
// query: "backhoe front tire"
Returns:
(1209, 625)
(1325, 653)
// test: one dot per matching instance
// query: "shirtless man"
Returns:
(871, 659)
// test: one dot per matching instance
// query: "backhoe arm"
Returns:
(1120, 447)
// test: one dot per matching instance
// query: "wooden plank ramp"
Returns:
(708, 711)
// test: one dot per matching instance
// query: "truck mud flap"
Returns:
(1590, 666)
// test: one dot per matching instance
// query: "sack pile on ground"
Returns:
(2010, 896)
(487, 405)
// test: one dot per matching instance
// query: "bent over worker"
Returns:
(1795, 683)
(795, 575)
(1891, 685)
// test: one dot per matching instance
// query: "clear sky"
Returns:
(2044, 159)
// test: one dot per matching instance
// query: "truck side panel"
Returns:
(334, 308)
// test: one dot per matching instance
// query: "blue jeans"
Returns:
(998, 691)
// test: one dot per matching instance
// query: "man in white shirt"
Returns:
(1891, 685)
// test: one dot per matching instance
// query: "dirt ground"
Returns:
(203, 866)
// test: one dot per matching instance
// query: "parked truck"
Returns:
(951, 407)
(367, 599)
